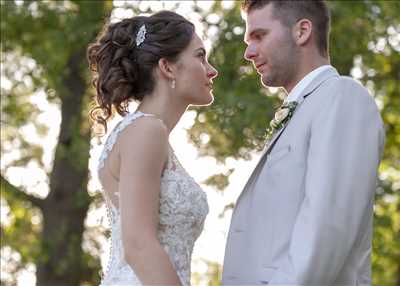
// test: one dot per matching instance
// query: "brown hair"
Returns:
(123, 71)
(291, 11)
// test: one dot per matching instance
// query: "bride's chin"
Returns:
(210, 101)
(207, 102)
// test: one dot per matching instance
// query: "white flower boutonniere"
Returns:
(282, 116)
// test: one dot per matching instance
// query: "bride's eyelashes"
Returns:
(202, 56)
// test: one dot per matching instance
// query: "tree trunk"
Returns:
(65, 207)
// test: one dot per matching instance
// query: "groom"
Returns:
(305, 215)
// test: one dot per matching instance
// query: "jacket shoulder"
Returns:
(347, 88)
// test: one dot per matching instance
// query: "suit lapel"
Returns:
(264, 156)
(271, 143)
(325, 75)
(320, 79)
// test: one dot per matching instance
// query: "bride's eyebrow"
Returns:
(202, 50)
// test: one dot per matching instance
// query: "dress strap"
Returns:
(152, 115)
(112, 138)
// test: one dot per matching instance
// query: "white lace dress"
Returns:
(183, 209)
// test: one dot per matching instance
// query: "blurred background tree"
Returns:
(43, 55)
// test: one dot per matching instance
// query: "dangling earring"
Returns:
(173, 84)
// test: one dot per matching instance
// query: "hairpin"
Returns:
(141, 35)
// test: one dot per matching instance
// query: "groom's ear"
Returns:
(302, 32)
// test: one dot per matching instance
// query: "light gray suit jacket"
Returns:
(305, 215)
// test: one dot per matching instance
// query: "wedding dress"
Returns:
(183, 209)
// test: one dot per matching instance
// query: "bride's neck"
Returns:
(163, 106)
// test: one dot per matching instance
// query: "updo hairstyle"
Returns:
(123, 71)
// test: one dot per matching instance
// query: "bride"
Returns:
(156, 209)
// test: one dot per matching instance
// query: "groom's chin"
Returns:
(265, 82)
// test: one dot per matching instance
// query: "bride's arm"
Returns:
(143, 152)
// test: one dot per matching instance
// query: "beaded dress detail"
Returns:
(183, 209)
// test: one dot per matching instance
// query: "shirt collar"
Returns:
(301, 85)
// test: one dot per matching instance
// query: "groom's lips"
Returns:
(259, 65)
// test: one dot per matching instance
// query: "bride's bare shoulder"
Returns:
(145, 135)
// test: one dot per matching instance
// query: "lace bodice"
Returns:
(183, 208)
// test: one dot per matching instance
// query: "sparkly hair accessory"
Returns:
(141, 35)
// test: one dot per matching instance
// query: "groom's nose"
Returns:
(250, 53)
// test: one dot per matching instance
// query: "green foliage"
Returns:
(386, 250)
(43, 55)
(374, 28)
(386, 242)
(212, 277)
(41, 38)
(219, 181)
(50, 31)
(21, 233)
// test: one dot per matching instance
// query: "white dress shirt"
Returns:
(301, 85)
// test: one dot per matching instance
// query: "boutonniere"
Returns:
(282, 116)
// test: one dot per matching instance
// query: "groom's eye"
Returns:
(258, 37)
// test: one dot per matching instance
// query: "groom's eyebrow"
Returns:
(255, 32)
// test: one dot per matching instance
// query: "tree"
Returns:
(43, 54)
(52, 36)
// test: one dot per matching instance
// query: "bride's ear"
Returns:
(167, 69)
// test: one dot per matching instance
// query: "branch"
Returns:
(13, 192)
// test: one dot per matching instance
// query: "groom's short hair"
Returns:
(288, 12)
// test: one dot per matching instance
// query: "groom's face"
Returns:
(270, 47)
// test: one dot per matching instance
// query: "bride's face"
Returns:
(194, 81)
